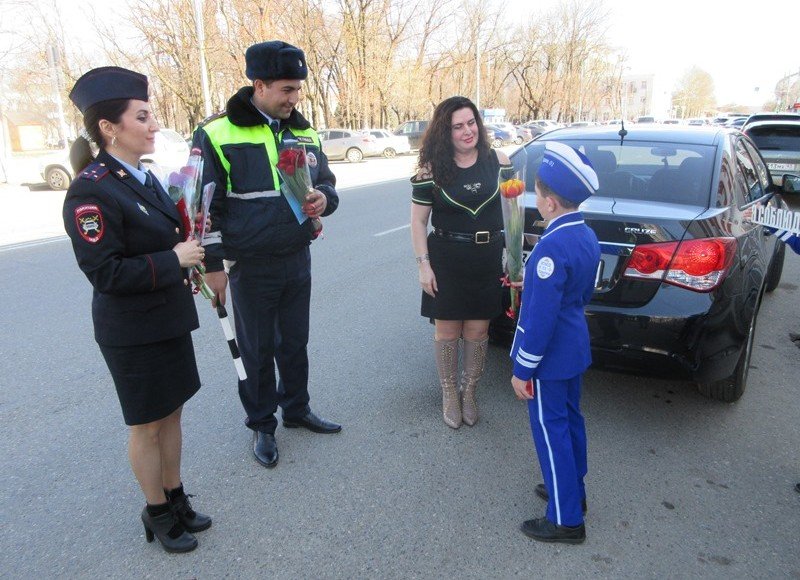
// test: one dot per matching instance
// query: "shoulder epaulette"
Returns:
(94, 171)
(213, 117)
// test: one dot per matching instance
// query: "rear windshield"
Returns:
(776, 137)
(650, 171)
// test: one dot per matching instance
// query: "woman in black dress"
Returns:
(128, 239)
(460, 261)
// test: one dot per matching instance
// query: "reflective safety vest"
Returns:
(223, 133)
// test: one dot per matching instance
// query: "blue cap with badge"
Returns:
(107, 83)
(568, 172)
(275, 59)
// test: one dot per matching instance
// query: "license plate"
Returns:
(780, 166)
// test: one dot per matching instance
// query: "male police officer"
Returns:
(551, 345)
(255, 227)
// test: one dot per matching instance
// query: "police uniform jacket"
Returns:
(123, 235)
(250, 218)
(552, 338)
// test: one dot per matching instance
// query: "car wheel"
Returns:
(518, 141)
(57, 178)
(497, 143)
(731, 388)
(776, 267)
(354, 155)
(389, 153)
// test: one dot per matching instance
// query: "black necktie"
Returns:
(275, 125)
(148, 183)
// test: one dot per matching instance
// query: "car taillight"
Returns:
(698, 265)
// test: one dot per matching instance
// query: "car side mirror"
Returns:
(791, 183)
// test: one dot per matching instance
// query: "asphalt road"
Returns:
(679, 486)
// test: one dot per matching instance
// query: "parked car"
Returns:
(646, 119)
(502, 136)
(682, 274)
(171, 153)
(546, 124)
(671, 121)
(414, 130)
(779, 143)
(525, 133)
(518, 138)
(391, 145)
(766, 116)
(697, 122)
(349, 144)
(736, 122)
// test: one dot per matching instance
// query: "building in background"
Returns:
(643, 95)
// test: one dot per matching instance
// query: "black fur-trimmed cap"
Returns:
(107, 83)
(275, 59)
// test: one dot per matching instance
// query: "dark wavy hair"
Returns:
(436, 152)
(80, 154)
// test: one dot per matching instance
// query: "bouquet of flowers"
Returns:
(513, 223)
(293, 169)
(185, 188)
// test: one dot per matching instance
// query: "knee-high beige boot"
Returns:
(447, 365)
(474, 363)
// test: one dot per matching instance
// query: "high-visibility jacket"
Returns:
(250, 217)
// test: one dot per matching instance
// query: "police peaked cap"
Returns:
(568, 172)
(275, 59)
(107, 83)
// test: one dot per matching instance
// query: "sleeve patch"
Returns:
(545, 268)
(89, 220)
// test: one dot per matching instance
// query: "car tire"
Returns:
(775, 267)
(57, 178)
(497, 143)
(389, 153)
(354, 155)
(518, 141)
(731, 388)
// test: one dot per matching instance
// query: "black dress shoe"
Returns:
(265, 449)
(169, 531)
(191, 520)
(544, 530)
(541, 491)
(313, 423)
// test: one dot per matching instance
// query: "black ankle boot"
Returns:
(179, 503)
(169, 531)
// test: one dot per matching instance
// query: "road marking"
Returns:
(33, 243)
(392, 230)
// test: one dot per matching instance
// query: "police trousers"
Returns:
(271, 301)
(559, 435)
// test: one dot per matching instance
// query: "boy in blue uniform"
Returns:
(551, 344)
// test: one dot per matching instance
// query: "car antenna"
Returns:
(622, 132)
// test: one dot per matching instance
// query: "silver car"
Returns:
(779, 143)
(348, 144)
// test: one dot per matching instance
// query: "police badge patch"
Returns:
(89, 220)
(312, 159)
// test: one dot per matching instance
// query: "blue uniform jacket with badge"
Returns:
(123, 235)
(552, 337)
(250, 218)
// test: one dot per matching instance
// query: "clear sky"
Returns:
(741, 45)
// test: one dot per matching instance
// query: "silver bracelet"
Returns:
(423, 258)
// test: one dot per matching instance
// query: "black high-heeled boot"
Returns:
(179, 504)
(169, 531)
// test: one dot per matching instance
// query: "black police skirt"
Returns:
(468, 277)
(153, 380)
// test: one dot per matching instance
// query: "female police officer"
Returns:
(128, 240)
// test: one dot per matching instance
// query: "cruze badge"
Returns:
(647, 231)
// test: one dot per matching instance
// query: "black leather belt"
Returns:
(476, 238)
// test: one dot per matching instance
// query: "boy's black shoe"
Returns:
(544, 530)
(541, 491)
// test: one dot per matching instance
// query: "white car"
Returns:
(171, 154)
(390, 144)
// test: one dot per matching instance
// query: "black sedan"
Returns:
(682, 272)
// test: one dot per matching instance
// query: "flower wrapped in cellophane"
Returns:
(513, 224)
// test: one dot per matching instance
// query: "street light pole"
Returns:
(201, 40)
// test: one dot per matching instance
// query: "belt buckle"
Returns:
(482, 237)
